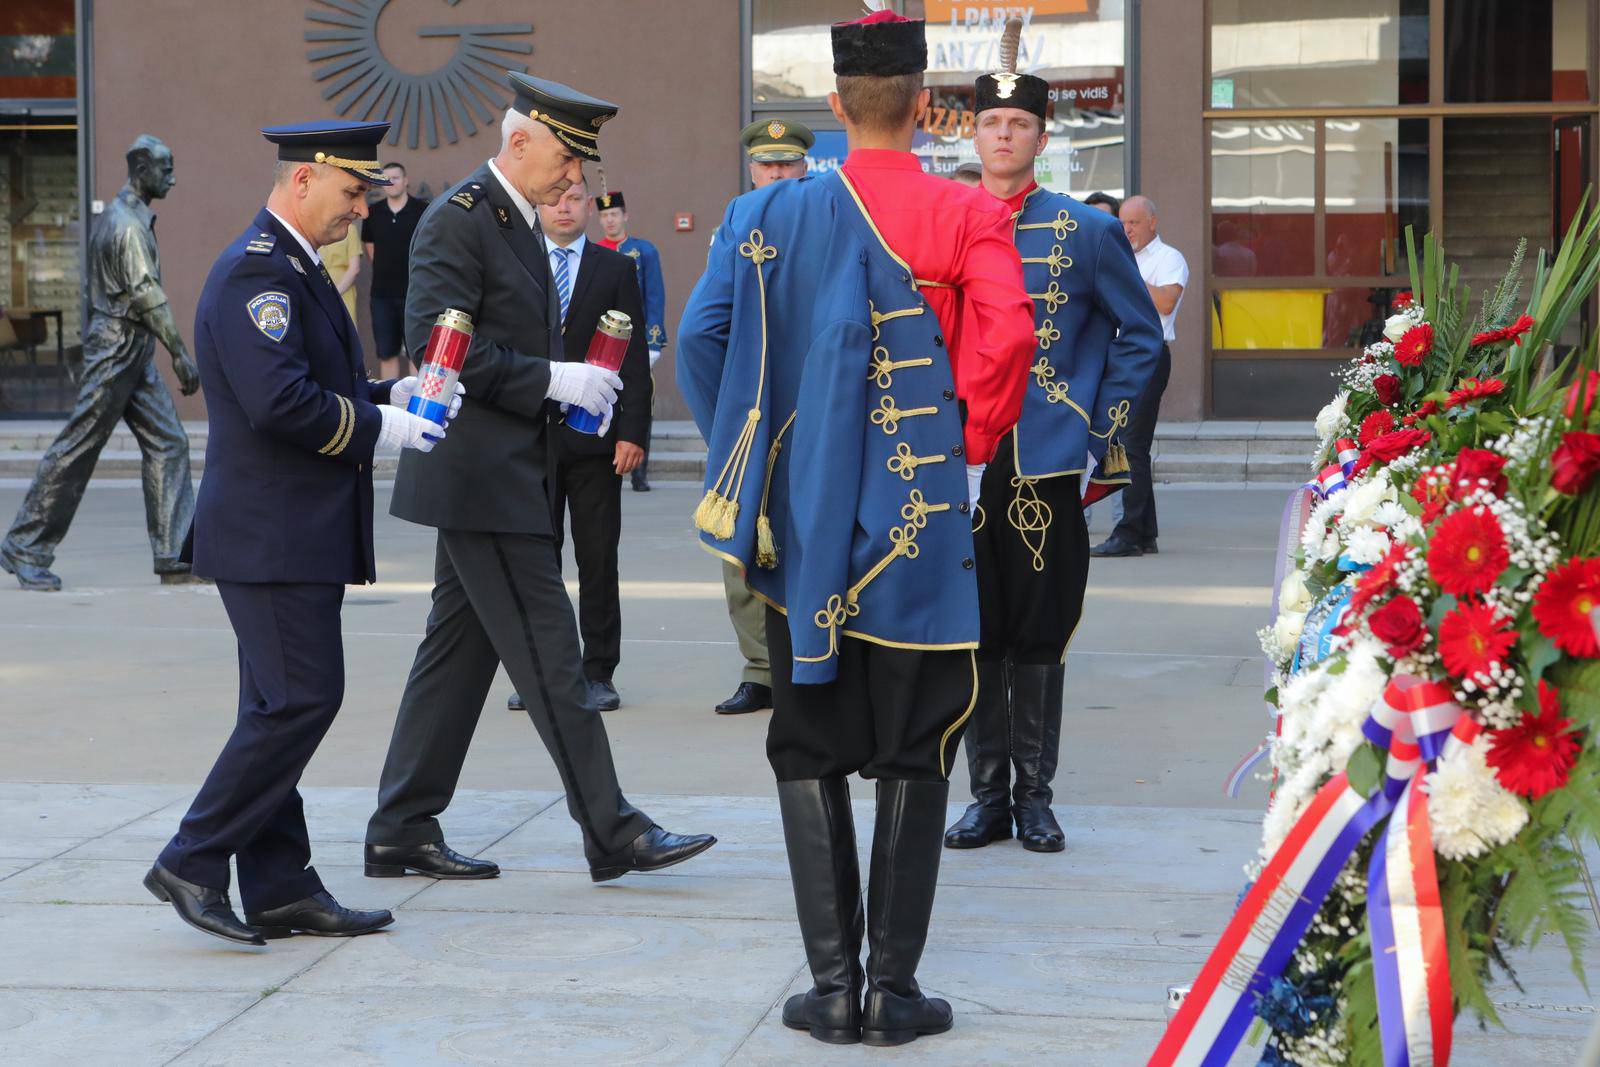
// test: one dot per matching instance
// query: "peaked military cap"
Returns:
(575, 118)
(776, 140)
(350, 146)
(1002, 89)
(882, 44)
(610, 199)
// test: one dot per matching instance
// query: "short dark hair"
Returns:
(397, 166)
(876, 103)
(1104, 198)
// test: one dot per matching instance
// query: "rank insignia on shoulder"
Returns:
(261, 244)
(465, 198)
(270, 312)
(503, 215)
(294, 261)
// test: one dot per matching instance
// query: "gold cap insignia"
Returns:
(599, 121)
(776, 129)
(1005, 85)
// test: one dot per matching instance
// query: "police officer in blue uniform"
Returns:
(1098, 338)
(282, 524)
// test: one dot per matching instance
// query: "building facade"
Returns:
(1287, 143)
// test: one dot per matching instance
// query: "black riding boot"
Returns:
(988, 742)
(821, 841)
(905, 872)
(1035, 749)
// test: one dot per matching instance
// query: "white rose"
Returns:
(1330, 420)
(1396, 325)
(1286, 631)
(1293, 594)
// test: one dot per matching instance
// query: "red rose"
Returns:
(1478, 464)
(1373, 426)
(1398, 624)
(1387, 386)
(1575, 462)
(1414, 346)
(1583, 389)
(1388, 447)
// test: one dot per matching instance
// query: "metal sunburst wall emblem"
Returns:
(366, 86)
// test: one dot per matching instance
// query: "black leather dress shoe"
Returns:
(650, 851)
(750, 696)
(32, 578)
(605, 696)
(514, 703)
(206, 909)
(434, 859)
(319, 915)
(1113, 546)
(641, 482)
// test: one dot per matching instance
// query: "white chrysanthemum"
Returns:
(1330, 420)
(1470, 811)
(1367, 545)
(1364, 499)
(1293, 796)
(1390, 514)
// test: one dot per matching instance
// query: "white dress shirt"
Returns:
(1161, 264)
(311, 249)
(576, 248)
(523, 206)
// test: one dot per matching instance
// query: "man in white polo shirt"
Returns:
(1165, 273)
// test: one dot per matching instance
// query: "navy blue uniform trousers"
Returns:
(291, 683)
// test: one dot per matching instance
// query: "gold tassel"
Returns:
(726, 519)
(1116, 460)
(766, 545)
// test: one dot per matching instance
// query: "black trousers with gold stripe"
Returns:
(1032, 550)
(892, 713)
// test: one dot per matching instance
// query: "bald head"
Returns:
(1138, 215)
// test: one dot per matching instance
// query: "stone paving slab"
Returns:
(50, 1027)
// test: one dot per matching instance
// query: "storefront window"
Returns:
(1503, 51)
(1376, 182)
(40, 224)
(1268, 53)
(791, 48)
(1299, 318)
(1263, 199)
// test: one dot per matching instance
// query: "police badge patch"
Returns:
(270, 312)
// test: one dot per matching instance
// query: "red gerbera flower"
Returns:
(1536, 755)
(1374, 425)
(1403, 300)
(1377, 580)
(1563, 604)
(1414, 346)
(1429, 407)
(1472, 389)
(1467, 552)
(1432, 491)
(1472, 636)
(1574, 464)
(1513, 332)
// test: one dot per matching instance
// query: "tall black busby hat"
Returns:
(881, 44)
(1005, 87)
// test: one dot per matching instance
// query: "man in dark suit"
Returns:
(498, 595)
(587, 471)
(283, 523)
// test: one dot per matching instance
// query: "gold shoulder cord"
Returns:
(718, 513)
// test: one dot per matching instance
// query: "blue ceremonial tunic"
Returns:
(287, 492)
(817, 374)
(1099, 338)
(647, 262)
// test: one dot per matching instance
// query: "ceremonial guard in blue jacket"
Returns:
(818, 375)
(613, 209)
(283, 523)
(1098, 339)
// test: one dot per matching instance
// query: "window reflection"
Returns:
(791, 50)
(1376, 184)
(1300, 318)
(1500, 51)
(1263, 198)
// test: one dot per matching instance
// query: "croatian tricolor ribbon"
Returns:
(1331, 481)
(1347, 454)
(1411, 966)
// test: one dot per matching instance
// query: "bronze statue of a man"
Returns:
(128, 314)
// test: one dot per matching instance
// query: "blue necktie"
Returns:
(563, 277)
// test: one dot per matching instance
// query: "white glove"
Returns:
(587, 386)
(975, 482)
(655, 357)
(402, 391)
(401, 429)
(605, 421)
